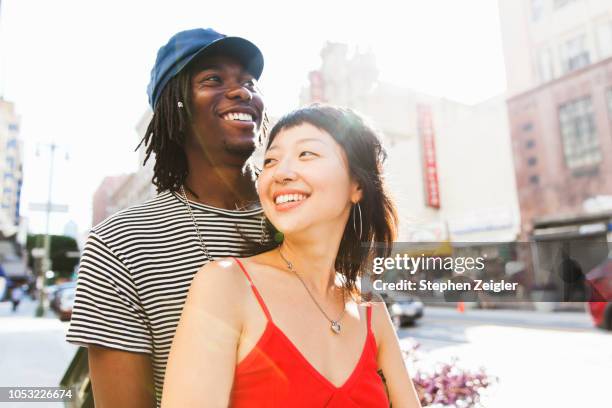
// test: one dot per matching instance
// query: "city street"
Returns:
(33, 351)
(552, 360)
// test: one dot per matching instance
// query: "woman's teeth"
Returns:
(244, 117)
(285, 198)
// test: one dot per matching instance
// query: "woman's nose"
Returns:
(284, 172)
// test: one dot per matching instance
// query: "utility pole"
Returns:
(48, 207)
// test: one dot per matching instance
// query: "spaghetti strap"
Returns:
(369, 316)
(255, 291)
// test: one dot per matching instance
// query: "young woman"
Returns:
(288, 327)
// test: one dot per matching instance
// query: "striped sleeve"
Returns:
(107, 311)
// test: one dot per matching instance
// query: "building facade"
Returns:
(472, 195)
(559, 68)
(11, 168)
(103, 205)
(562, 144)
(119, 192)
(544, 40)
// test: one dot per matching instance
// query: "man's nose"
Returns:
(240, 92)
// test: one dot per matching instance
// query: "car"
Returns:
(403, 310)
(65, 303)
(599, 281)
(54, 294)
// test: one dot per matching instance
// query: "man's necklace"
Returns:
(334, 324)
(195, 224)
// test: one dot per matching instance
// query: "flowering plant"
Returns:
(447, 385)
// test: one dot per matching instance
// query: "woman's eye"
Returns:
(307, 153)
(268, 161)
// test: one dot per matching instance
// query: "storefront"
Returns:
(582, 240)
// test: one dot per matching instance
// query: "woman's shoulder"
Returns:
(380, 320)
(222, 276)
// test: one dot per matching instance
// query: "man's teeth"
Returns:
(285, 198)
(245, 117)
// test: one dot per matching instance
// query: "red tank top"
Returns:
(275, 374)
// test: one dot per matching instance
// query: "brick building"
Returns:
(562, 143)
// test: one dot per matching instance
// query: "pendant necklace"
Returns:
(334, 324)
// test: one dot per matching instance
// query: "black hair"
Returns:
(168, 129)
(366, 156)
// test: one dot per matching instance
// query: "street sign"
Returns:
(38, 252)
(52, 207)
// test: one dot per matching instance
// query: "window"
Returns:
(604, 34)
(578, 133)
(545, 65)
(557, 4)
(537, 9)
(535, 179)
(532, 161)
(527, 127)
(530, 143)
(574, 54)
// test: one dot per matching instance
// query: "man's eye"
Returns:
(212, 78)
(250, 84)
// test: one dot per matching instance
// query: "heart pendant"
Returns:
(335, 326)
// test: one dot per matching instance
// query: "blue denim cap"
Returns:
(184, 46)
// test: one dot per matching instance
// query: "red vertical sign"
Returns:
(428, 148)
(317, 87)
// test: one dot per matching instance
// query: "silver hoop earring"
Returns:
(264, 234)
(360, 220)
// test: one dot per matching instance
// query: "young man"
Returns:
(137, 265)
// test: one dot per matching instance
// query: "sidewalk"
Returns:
(33, 351)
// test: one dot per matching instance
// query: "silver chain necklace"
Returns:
(334, 324)
(195, 224)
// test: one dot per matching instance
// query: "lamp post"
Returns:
(48, 207)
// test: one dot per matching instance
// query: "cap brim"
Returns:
(242, 50)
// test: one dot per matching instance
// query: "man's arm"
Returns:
(108, 318)
(121, 379)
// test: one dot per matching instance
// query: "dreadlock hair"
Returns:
(167, 132)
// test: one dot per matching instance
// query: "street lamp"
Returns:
(48, 208)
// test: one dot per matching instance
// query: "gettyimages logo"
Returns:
(492, 272)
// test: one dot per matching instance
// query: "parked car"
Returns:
(403, 310)
(599, 281)
(65, 303)
(55, 293)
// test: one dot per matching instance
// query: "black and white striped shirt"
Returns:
(136, 269)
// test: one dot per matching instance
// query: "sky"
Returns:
(77, 71)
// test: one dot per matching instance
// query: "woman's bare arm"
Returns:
(390, 360)
(202, 359)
